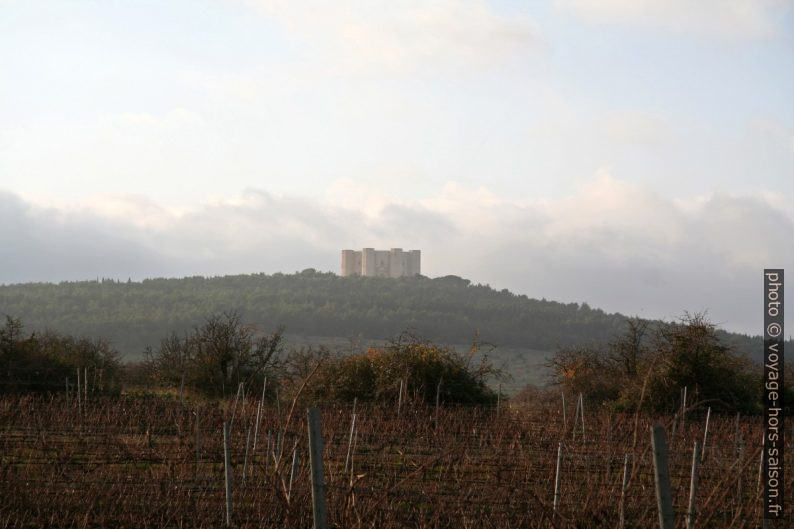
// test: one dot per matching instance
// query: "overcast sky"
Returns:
(634, 154)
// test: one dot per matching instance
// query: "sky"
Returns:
(637, 155)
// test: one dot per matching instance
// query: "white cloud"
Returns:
(613, 244)
(734, 18)
(404, 34)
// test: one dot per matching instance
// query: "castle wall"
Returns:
(380, 263)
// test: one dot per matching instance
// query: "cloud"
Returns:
(613, 244)
(404, 34)
(731, 18)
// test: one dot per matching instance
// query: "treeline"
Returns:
(223, 358)
(645, 367)
(134, 315)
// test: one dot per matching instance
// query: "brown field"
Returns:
(131, 461)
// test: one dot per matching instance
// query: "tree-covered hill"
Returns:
(448, 309)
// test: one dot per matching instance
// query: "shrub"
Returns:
(649, 369)
(375, 375)
(43, 361)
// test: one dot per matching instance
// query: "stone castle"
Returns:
(380, 263)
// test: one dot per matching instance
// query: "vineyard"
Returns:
(156, 461)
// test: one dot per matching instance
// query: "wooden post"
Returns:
(623, 491)
(499, 399)
(664, 498)
(67, 391)
(316, 462)
(85, 385)
(705, 436)
(227, 465)
(693, 485)
(182, 390)
(557, 478)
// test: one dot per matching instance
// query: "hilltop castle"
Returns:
(380, 263)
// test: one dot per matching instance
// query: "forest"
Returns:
(134, 315)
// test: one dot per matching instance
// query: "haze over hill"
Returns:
(450, 309)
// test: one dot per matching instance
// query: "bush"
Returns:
(376, 374)
(650, 369)
(43, 362)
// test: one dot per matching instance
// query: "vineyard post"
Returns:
(683, 410)
(664, 498)
(575, 419)
(293, 470)
(693, 485)
(227, 466)
(499, 399)
(438, 398)
(268, 451)
(736, 434)
(67, 391)
(79, 401)
(739, 484)
(581, 403)
(623, 491)
(316, 463)
(234, 407)
(557, 477)
(279, 448)
(259, 415)
(564, 418)
(245, 459)
(705, 436)
(85, 385)
(353, 455)
(350, 440)
(400, 398)
(198, 453)
(182, 390)
(761, 463)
